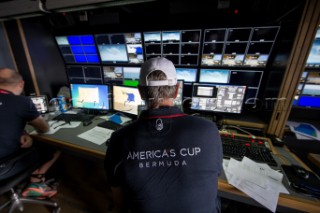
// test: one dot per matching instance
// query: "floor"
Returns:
(82, 189)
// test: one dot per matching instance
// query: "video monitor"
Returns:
(190, 35)
(89, 96)
(133, 38)
(234, 54)
(218, 98)
(131, 73)
(213, 48)
(250, 78)
(308, 91)
(74, 71)
(187, 74)
(171, 48)
(309, 102)
(135, 53)
(313, 77)
(311, 89)
(120, 48)
(190, 48)
(41, 103)
(113, 74)
(189, 60)
(173, 58)
(92, 72)
(153, 49)
(211, 60)
(78, 49)
(258, 54)
(113, 53)
(131, 83)
(314, 54)
(238, 34)
(126, 99)
(214, 76)
(171, 36)
(265, 33)
(152, 37)
(214, 35)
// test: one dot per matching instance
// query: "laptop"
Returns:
(41, 103)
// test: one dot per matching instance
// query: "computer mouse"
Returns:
(301, 172)
(86, 123)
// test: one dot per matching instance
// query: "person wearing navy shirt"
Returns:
(165, 161)
(16, 111)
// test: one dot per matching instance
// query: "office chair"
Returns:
(9, 185)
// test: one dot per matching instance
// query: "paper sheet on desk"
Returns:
(56, 125)
(258, 181)
(97, 135)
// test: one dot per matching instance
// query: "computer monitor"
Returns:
(126, 99)
(41, 103)
(187, 74)
(90, 96)
(308, 92)
(78, 49)
(314, 54)
(113, 74)
(214, 76)
(218, 98)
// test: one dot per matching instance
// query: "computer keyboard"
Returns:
(238, 146)
(110, 125)
(73, 117)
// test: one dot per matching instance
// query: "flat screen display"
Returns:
(78, 49)
(187, 74)
(218, 98)
(214, 76)
(126, 99)
(89, 96)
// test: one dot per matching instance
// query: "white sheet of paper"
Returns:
(256, 181)
(97, 135)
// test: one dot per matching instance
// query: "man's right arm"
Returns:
(40, 124)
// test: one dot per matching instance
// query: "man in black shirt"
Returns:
(15, 112)
(165, 161)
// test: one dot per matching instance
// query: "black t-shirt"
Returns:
(166, 161)
(15, 111)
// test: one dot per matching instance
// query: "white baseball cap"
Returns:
(162, 64)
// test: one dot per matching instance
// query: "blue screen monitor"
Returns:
(187, 74)
(214, 76)
(87, 96)
(126, 99)
(78, 49)
(309, 102)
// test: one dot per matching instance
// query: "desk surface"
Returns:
(66, 138)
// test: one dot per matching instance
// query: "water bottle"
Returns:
(62, 103)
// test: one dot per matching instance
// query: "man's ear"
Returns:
(177, 90)
(141, 91)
